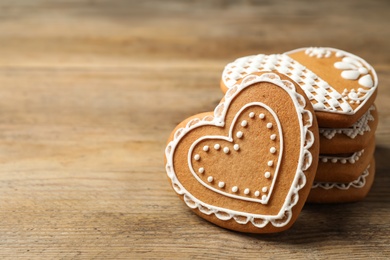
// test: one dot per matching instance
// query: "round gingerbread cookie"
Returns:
(344, 167)
(336, 192)
(340, 85)
(249, 165)
(351, 139)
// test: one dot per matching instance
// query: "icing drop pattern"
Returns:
(252, 116)
(359, 128)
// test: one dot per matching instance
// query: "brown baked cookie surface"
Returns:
(340, 85)
(341, 192)
(249, 165)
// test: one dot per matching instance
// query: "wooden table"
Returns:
(90, 91)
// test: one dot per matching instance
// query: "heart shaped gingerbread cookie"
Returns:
(249, 165)
(340, 85)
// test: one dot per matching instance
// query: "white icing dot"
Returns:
(366, 81)
(197, 157)
(269, 125)
(363, 70)
(272, 150)
(339, 54)
(205, 148)
(225, 149)
(257, 193)
(264, 197)
(261, 116)
(251, 114)
(273, 136)
(210, 179)
(350, 74)
(239, 134)
(324, 159)
(343, 161)
(221, 184)
(201, 170)
(264, 189)
(246, 191)
(244, 123)
(270, 163)
(334, 160)
(217, 146)
(236, 147)
(267, 175)
(353, 95)
(235, 189)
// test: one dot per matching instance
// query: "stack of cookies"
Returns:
(342, 88)
(291, 128)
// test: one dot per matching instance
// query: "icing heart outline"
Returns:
(305, 157)
(230, 140)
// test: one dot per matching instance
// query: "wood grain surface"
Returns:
(90, 91)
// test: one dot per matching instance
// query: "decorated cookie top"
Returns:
(249, 165)
(335, 81)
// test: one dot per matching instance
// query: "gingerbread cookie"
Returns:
(249, 165)
(351, 139)
(340, 85)
(344, 167)
(334, 192)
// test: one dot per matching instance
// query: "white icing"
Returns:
(267, 175)
(338, 159)
(272, 150)
(358, 183)
(236, 147)
(269, 125)
(246, 191)
(221, 184)
(217, 146)
(316, 89)
(261, 116)
(244, 123)
(353, 69)
(264, 189)
(210, 179)
(251, 114)
(234, 189)
(366, 81)
(358, 128)
(224, 214)
(205, 148)
(239, 134)
(257, 193)
(350, 74)
(197, 157)
(226, 150)
(273, 137)
(318, 52)
(201, 170)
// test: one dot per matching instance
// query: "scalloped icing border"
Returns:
(358, 128)
(259, 221)
(358, 183)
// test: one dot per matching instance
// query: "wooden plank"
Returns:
(90, 91)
